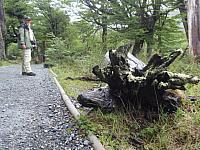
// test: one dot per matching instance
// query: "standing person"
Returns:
(27, 42)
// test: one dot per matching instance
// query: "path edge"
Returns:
(96, 144)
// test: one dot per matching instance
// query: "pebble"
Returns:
(86, 142)
(50, 115)
(42, 147)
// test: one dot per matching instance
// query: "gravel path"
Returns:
(32, 114)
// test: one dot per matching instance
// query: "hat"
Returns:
(27, 18)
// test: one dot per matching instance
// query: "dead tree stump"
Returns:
(142, 89)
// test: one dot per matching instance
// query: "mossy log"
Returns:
(147, 88)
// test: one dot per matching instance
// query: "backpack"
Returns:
(18, 40)
(24, 26)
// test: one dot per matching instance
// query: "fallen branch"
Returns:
(83, 78)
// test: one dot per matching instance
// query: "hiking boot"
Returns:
(30, 74)
(23, 73)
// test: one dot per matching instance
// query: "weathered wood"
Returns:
(194, 27)
(96, 98)
(84, 78)
(148, 88)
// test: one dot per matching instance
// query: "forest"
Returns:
(74, 36)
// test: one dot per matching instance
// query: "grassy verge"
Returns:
(4, 63)
(8, 62)
(119, 131)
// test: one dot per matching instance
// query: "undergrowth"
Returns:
(119, 131)
(4, 63)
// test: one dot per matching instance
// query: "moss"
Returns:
(115, 130)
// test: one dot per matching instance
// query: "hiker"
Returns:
(27, 42)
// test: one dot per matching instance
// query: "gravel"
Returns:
(33, 115)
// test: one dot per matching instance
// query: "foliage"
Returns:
(123, 25)
(15, 11)
(18, 9)
(142, 22)
(53, 18)
(170, 37)
(13, 50)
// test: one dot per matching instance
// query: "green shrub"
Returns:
(14, 51)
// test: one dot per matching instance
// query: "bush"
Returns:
(13, 51)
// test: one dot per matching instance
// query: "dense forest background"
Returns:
(150, 26)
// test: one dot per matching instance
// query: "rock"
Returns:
(45, 131)
(50, 115)
(86, 142)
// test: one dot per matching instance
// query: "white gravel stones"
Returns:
(32, 114)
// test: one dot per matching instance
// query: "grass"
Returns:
(4, 63)
(7, 62)
(118, 131)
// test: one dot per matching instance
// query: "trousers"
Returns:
(26, 62)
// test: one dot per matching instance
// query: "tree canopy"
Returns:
(148, 25)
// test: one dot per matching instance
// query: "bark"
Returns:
(2, 31)
(183, 10)
(44, 45)
(149, 42)
(104, 37)
(137, 46)
(2, 48)
(194, 27)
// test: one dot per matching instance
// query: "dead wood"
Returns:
(84, 78)
(146, 88)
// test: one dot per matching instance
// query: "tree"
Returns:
(182, 6)
(98, 14)
(137, 20)
(2, 31)
(15, 10)
(54, 18)
(194, 27)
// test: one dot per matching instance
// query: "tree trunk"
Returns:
(194, 27)
(149, 41)
(2, 31)
(2, 49)
(44, 50)
(104, 37)
(183, 10)
(137, 46)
